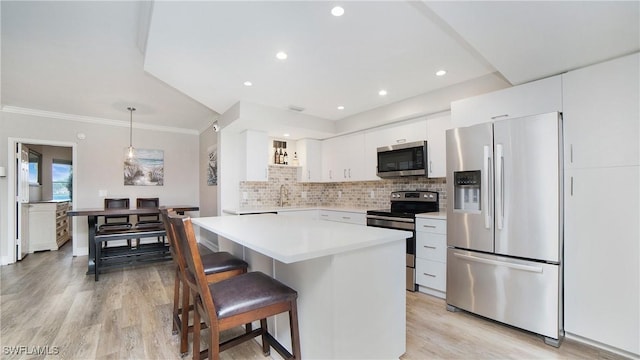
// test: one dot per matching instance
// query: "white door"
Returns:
(22, 202)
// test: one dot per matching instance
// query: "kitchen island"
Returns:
(350, 280)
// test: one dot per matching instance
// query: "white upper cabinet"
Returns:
(398, 133)
(310, 157)
(342, 158)
(255, 156)
(537, 97)
(437, 146)
(601, 114)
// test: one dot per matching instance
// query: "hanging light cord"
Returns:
(130, 152)
(131, 110)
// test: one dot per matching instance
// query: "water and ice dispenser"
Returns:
(466, 196)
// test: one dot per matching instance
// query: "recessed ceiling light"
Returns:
(441, 72)
(382, 92)
(248, 83)
(337, 11)
(340, 107)
(281, 55)
(286, 134)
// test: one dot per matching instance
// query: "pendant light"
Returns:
(131, 110)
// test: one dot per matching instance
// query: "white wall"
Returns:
(208, 193)
(99, 165)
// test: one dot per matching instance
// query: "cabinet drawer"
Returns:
(431, 225)
(431, 246)
(343, 216)
(431, 274)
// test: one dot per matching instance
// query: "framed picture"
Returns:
(145, 168)
(212, 167)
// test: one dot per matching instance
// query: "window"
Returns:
(61, 179)
(35, 164)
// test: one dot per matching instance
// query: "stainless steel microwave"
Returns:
(408, 159)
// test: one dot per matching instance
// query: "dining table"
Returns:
(93, 214)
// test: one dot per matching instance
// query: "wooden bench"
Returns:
(119, 256)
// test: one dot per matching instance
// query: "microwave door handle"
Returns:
(485, 188)
(500, 186)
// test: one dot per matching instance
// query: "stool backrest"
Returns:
(194, 270)
(121, 203)
(174, 249)
(142, 203)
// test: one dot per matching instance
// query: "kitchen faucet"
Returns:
(284, 195)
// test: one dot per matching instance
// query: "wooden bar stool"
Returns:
(235, 301)
(217, 266)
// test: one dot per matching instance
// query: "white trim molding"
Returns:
(94, 120)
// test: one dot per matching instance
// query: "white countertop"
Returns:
(263, 210)
(291, 241)
(442, 215)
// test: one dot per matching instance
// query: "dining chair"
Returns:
(149, 221)
(116, 222)
(234, 301)
(217, 266)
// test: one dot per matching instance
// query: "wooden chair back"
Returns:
(142, 203)
(194, 270)
(120, 203)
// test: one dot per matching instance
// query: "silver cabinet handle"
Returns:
(572, 186)
(430, 167)
(429, 226)
(330, 176)
(344, 173)
(308, 174)
(346, 217)
(401, 141)
(349, 173)
(485, 185)
(430, 247)
(431, 275)
(499, 116)
(499, 163)
(571, 153)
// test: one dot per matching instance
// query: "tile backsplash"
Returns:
(365, 194)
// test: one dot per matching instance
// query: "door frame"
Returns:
(10, 244)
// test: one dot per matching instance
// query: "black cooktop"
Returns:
(406, 204)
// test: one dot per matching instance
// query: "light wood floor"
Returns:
(47, 301)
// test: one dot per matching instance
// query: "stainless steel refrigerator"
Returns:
(504, 222)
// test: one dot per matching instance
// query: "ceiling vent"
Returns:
(296, 108)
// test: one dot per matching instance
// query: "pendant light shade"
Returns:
(130, 152)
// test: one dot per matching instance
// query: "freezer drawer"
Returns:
(520, 293)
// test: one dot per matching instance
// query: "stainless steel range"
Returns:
(402, 216)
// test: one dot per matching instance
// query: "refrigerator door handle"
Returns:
(500, 186)
(536, 269)
(485, 187)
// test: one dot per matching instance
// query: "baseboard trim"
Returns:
(602, 346)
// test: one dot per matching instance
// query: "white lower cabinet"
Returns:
(344, 216)
(307, 214)
(431, 256)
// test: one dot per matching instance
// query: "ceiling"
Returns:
(180, 63)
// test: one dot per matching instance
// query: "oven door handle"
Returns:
(389, 218)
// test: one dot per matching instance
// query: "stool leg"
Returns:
(176, 302)
(184, 319)
(196, 331)
(295, 333)
(266, 349)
